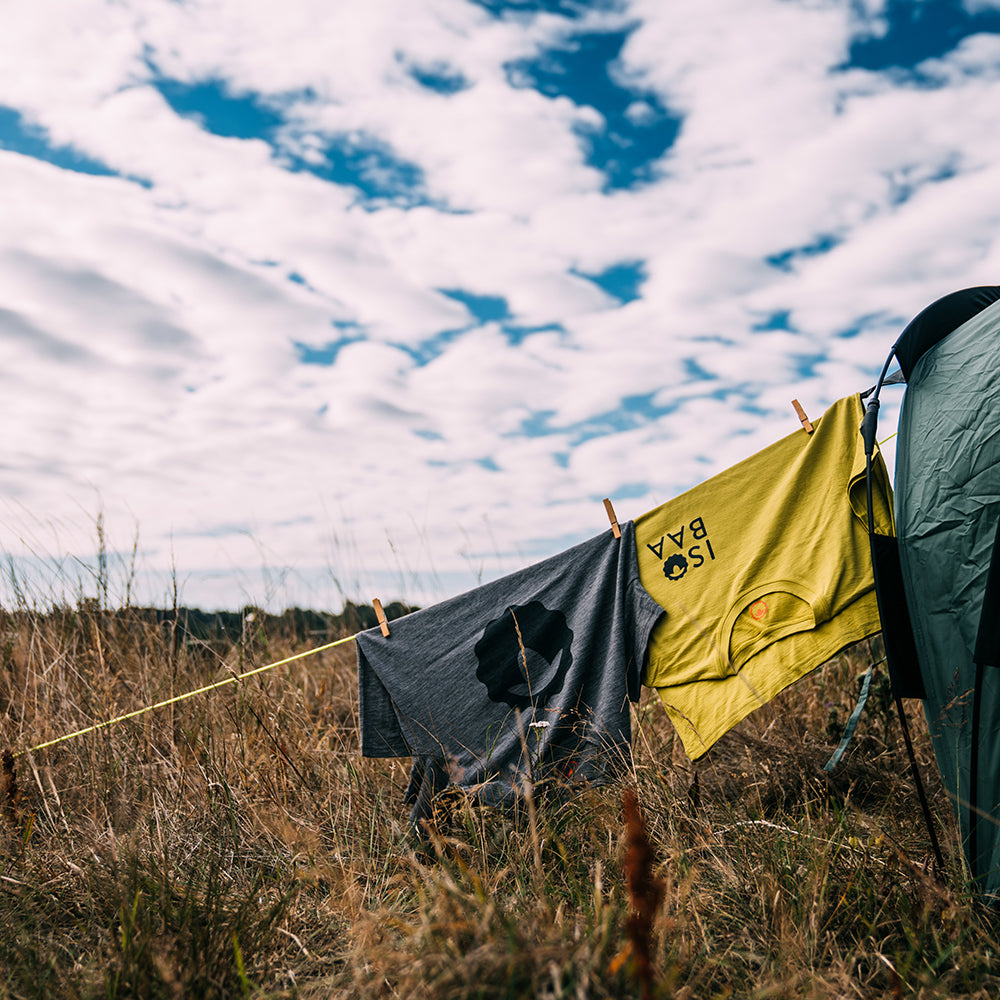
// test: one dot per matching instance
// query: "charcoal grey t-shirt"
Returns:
(527, 676)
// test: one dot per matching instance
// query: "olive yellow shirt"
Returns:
(764, 573)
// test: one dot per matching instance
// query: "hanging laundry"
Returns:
(527, 676)
(764, 573)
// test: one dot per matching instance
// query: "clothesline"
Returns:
(188, 694)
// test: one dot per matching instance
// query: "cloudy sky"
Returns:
(325, 300)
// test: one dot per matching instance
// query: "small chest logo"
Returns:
(677, 564)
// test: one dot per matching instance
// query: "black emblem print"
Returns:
(675, 567)
(524, 655)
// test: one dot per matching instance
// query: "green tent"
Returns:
(943, 641)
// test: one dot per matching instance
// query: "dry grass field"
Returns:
(236, 844)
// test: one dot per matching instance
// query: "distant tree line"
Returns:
(216, 630)
(299, 624)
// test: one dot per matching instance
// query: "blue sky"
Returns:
(344, 300)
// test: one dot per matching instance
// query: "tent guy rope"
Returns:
(188, 694)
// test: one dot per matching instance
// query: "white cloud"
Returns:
(148, 325)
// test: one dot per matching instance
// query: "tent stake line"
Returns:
(183, 697)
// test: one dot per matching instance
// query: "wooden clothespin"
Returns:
(611, 517)
(801, 414)
(380, 615)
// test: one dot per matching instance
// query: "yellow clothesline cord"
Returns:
(186, 695)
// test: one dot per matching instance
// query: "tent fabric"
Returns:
(526, 676)
(987, 651)
(764, 572)
(897, 631)
(947, 508)
(938, 320)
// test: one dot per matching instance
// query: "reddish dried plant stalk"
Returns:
(645, 891)
(9, 793)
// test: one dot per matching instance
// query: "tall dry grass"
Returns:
(236, 844)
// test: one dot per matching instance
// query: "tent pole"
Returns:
(986, 653)
(924, 805)
(868, 429)
(977, 702)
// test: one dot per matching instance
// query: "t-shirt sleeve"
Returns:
(381, 735)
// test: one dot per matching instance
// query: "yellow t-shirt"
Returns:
(764, 573)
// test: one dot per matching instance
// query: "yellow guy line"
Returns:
(184, 697)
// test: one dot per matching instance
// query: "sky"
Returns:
(321, 301)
